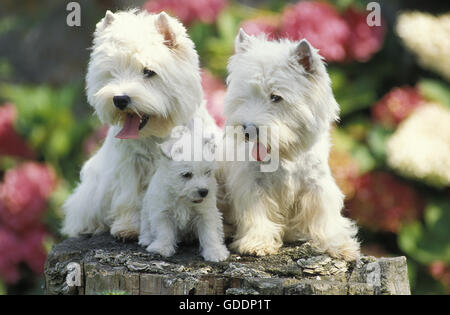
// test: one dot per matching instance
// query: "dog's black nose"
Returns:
(251, 131)
(121, 101)
(203, 192)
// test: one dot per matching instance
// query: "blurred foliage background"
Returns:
(391, 153)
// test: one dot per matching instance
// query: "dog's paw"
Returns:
(165, 250)
(349, 251)
(124, 232)
(125, 235)
(144, 241)
(216, 254)
(259, 249)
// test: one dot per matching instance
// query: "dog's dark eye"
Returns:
(275, 98)
(207, 173)
(187, 175)
(149, 73)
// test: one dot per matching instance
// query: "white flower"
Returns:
(428, 37)
(420, 147)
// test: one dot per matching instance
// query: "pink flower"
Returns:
(10, 256)
(364, 40)
(214, 90)
(262, 25)
(188, 11)
(33, 251)
(396, 105)
(377, 204)
(320, 24)
(11, 143)
(23, 195)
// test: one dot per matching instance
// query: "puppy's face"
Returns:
(143, 74)
(278, 87)
(191, 176)
(193, 182)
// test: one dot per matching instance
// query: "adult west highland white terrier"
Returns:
(143, 79)
(283, 87)
(181, 201)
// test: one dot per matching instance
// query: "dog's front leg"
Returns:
(211, 238)
(164, 233)
(319, 217)
(126, 203)
(256, 231)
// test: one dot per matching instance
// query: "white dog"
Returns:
(181, 201)
(143, 79)
(284, 86)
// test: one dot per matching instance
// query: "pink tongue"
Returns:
(259, 151)
(130, 128)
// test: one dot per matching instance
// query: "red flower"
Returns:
(320, 24)
(214, 90)
(262, 25)
(10, 256)
(23, 195)
(364, 40)
(382, 202)
(188, 11)
(11, 143)
(33, 251)
(396, 105)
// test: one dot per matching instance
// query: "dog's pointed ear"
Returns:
(106, 21)
(242, 41)
(304, 53)
(163, 26)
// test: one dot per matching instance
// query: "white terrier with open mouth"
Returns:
(283, 86)
(143, 79)
(181, 200)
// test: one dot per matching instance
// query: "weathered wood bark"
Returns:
(101, 264)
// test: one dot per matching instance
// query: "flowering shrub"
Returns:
(267, 25)
(396, 105)
(427, 37)
(11, 143)
(338, 37)
(23, 200)
(364, 40)
(420, 148)
(188, 11)
(320, 24)
(382, 202)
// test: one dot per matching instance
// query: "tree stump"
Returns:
(100, 264)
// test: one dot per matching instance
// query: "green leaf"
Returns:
(377, 139)
(359, 151)
(352, 95)
(429, 242)
(435, 91)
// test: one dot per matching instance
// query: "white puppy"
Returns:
(143, 79)
(283, 87)
(181, 202)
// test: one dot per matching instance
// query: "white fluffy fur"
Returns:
(113, 181)
(300, 200)
(174, 210)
